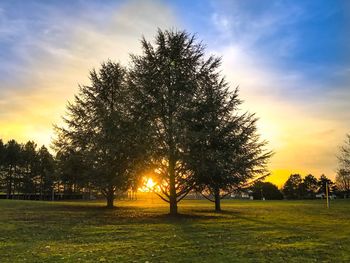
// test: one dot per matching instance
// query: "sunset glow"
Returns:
(292, 73)
(148, 185)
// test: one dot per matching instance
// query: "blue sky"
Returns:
(290, 59)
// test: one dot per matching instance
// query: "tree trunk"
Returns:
(173, 201)
(9, 183)
(217, 200)
(41, 187)
(110, 197)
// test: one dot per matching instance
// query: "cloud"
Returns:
(54, 61)
(304, 115)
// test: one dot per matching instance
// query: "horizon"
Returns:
(290, 60)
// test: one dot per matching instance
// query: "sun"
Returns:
(148, 185)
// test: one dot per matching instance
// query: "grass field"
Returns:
(140, 231)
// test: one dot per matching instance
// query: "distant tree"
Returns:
(164, 80)
(322, 182)
(343, 173)
(310, 185)
(73, 171)
(30, 162)
(12, 159)
(343, 182)
(101, 128)
(2, 166)
(266, 190)
(45, 171)
(292, 187)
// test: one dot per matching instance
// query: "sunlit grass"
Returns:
(140, 231)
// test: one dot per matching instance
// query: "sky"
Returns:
(290, 59)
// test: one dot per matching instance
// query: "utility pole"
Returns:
(327, 195)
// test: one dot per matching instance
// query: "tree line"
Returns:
(309, 187)
(26, 169)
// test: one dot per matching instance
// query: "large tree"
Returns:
(102, 129)
(164, 80)
(225, 151)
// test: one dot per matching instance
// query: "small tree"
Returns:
(100, 127)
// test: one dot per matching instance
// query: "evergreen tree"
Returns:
(12, 159)
(224, 150)
(45, 171)
(164, 80)
(30, 160)
(102, 129)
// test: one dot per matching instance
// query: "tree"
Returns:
(164, 80)
(73, 171)
(2, 165)
(343, 182)
(266, 190)
(310, 185)
(102, 129)
(292, 187)
(12, 158)
(343, 173)
(224, 150)
(45, 171)
(323, 182)
(30, 160)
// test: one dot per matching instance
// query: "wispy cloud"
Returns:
(303, 107)
(52, 63)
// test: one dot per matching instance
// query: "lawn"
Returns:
(140, 231)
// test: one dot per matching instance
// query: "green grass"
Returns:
(140, 231)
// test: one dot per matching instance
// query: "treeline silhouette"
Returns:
(29, 172)
(309, 187)
(26, 170)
